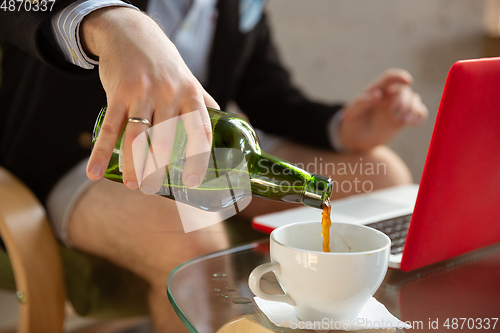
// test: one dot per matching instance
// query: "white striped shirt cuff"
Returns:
(66, 26)
(334, 132)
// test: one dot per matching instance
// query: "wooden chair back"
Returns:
(34, 255)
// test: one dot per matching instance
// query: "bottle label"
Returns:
(120, 155)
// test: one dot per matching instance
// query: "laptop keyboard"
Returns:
(396, 228)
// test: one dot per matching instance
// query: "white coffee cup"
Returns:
(334, 285)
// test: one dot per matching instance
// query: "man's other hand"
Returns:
(379, 113)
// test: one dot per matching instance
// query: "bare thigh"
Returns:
(143, 234)
(139, 232)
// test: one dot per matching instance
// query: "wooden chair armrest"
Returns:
(244, 324)
(35, 257)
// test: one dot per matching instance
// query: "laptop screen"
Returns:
(457, 208)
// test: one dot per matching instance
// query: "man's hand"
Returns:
(144, 76)
(379, 113)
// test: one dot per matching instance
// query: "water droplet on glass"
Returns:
(219, 275)
(216, 289)
(225, 296)
(232, 288)
(241, 300)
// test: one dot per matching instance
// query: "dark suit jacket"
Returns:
(48, 105)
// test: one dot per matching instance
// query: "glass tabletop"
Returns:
(211, 291)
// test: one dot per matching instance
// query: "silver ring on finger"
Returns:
(139, 120)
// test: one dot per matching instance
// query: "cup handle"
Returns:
(254, 283)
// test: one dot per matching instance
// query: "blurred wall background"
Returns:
(335, 47)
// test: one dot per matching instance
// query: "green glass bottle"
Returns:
(237, 170)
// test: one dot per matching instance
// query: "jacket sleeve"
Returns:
(271, 102)
(31, 32)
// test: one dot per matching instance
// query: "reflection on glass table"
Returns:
(210, 294)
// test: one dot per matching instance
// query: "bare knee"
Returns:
(351, 174)
(360, 173)
(390, 168)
